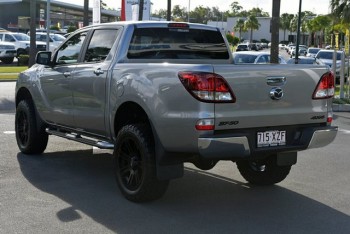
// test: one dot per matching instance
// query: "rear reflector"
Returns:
(205, 124)
(325, 87)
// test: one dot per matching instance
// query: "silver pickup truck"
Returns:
(163, 93)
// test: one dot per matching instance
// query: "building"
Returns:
(15, 14)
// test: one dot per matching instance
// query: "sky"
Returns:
(287, 6)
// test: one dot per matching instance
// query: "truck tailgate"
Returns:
(271, 95)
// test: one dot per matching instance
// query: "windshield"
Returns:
(313, 51)
(327, 55)
(244, 58)
(21, 37)
(57, 37)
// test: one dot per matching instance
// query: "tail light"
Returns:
(207, 87)
(325, 87)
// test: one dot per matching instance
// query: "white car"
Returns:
(312, 51)
(21, 42)
(326, 56)
(55, 39)
(251, 57)
(7, 52)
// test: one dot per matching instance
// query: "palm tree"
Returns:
(285, 23)
(252, 24)
(341, 8)
(239, 27)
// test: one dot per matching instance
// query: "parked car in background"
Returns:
(282, 46)
(243, 47)
(326, 56)
(305, 60)
(55, 39)
(246, 57)
(302, 50)
(7, 52)
(21, 42)
(312, 51)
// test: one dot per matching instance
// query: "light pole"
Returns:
(48, 24)
(188, 15)
(298, 34)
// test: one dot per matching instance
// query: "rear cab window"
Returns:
(177, 43)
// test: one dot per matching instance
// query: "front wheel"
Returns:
(31, 139)
(136, 164)
(8, 60)
(263, 171)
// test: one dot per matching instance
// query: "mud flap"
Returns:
(286, 158)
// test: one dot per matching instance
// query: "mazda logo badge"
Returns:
(276, 93)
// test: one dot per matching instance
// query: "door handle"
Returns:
(66, 74)
(98, 71)
(276, 80)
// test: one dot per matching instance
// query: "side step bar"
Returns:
(79, 138)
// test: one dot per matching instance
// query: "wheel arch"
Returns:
(23, 94)
(168, 165)
(130, 113)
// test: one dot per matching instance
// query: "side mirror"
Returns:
(44, 58)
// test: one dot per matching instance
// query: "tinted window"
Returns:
(100, 45)
(21, 37)
(9, 38)
(69, 52)
(313, 51)
(244, 58)
(170, 43)
(327, 55)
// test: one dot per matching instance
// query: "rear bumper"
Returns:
(322, 138)
(243, 145)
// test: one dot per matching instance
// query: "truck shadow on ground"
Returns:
(201, 202)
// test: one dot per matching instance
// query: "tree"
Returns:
(32, 49)
(161, 13)
(285, 20)
(239, 27)
(258, 12)
(341, 9)
(200, 15)
(320, 23)
(275, 30)
(251, 23)
(179, 13)
(235, 8)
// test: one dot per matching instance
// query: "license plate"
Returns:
(271, 138)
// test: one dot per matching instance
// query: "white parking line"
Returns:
(9, 132)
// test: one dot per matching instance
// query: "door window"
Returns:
(100, 45)
(69, 51)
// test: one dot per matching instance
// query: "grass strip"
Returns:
(13, 69)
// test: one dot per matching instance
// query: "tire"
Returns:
(136, 165)
(7, 60)
(263, 171)
(21, 51)
(31, 139)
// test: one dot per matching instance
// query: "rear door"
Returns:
(90, 80)
(270, 95)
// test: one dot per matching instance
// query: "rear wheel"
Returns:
(136, 165)
(31, 139)
(7, 60)
(263, 171)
